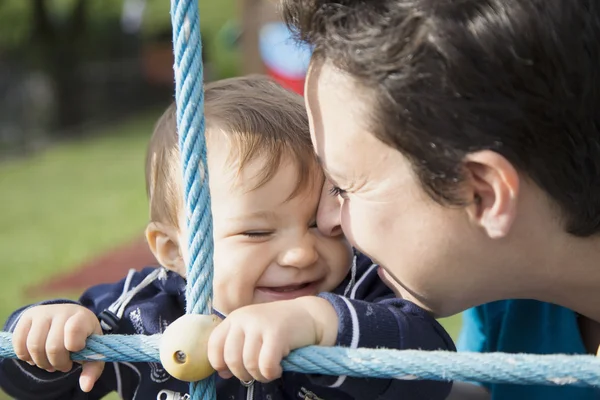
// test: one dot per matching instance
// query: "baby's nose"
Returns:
(300, 255)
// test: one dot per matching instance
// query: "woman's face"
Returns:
(426, 249)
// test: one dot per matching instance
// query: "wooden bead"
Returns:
(184, 344)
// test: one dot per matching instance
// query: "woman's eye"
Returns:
(336, 191)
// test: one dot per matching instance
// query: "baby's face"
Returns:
(267, 246)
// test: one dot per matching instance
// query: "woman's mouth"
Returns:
(288, 292)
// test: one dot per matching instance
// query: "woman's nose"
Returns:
(328, 213)
(301, 253)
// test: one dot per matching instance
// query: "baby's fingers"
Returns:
(36, 343)
(252, 345)
(19, 339)
(216, 345)
(233, 354)
(78, 328)
(90, 374)
(269, 361)
(57, 354)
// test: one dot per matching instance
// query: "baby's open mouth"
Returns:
(290, 288)
(289, 291)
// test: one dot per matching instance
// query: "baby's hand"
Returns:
(45, 335)
(251, 342)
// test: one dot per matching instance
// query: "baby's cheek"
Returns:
(344, 254)
(224, 284)
(338, 255)
(232, 288)
(226, 297)
(220, 294)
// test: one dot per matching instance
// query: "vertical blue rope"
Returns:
(189, 97)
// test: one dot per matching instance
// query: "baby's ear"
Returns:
(164, 243)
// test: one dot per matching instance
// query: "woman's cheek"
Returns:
(356, 226)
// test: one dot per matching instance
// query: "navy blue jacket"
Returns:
(369, 316)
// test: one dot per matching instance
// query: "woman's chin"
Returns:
(390, 282)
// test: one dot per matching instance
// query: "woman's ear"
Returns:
(493, 190)
(164, 243)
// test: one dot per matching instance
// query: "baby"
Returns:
(278, 283)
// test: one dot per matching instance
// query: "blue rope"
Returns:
(189, 98)
(524, 369)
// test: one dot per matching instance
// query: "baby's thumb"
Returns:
(90, 374)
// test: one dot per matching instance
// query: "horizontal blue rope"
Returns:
(525, 369)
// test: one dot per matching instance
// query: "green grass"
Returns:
(452, 325)
(69, 203)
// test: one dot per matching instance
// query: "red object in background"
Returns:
(157, 63)
(111, 266)
(285, 60)
(296, 85)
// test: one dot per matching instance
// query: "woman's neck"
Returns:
(571, 275)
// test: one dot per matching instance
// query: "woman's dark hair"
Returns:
(450, 77)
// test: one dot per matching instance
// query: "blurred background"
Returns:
(82, 83)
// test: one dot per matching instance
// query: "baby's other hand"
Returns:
(45, 335)
(251, 342)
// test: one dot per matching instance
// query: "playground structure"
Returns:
(267, 46)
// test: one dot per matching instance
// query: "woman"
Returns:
(462, 142)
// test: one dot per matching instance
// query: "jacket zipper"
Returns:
(170, 395)
(249, 389)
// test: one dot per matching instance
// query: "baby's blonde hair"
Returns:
(260, 118)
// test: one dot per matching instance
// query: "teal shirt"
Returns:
(525, 326)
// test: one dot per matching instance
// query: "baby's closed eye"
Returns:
(257, 234)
